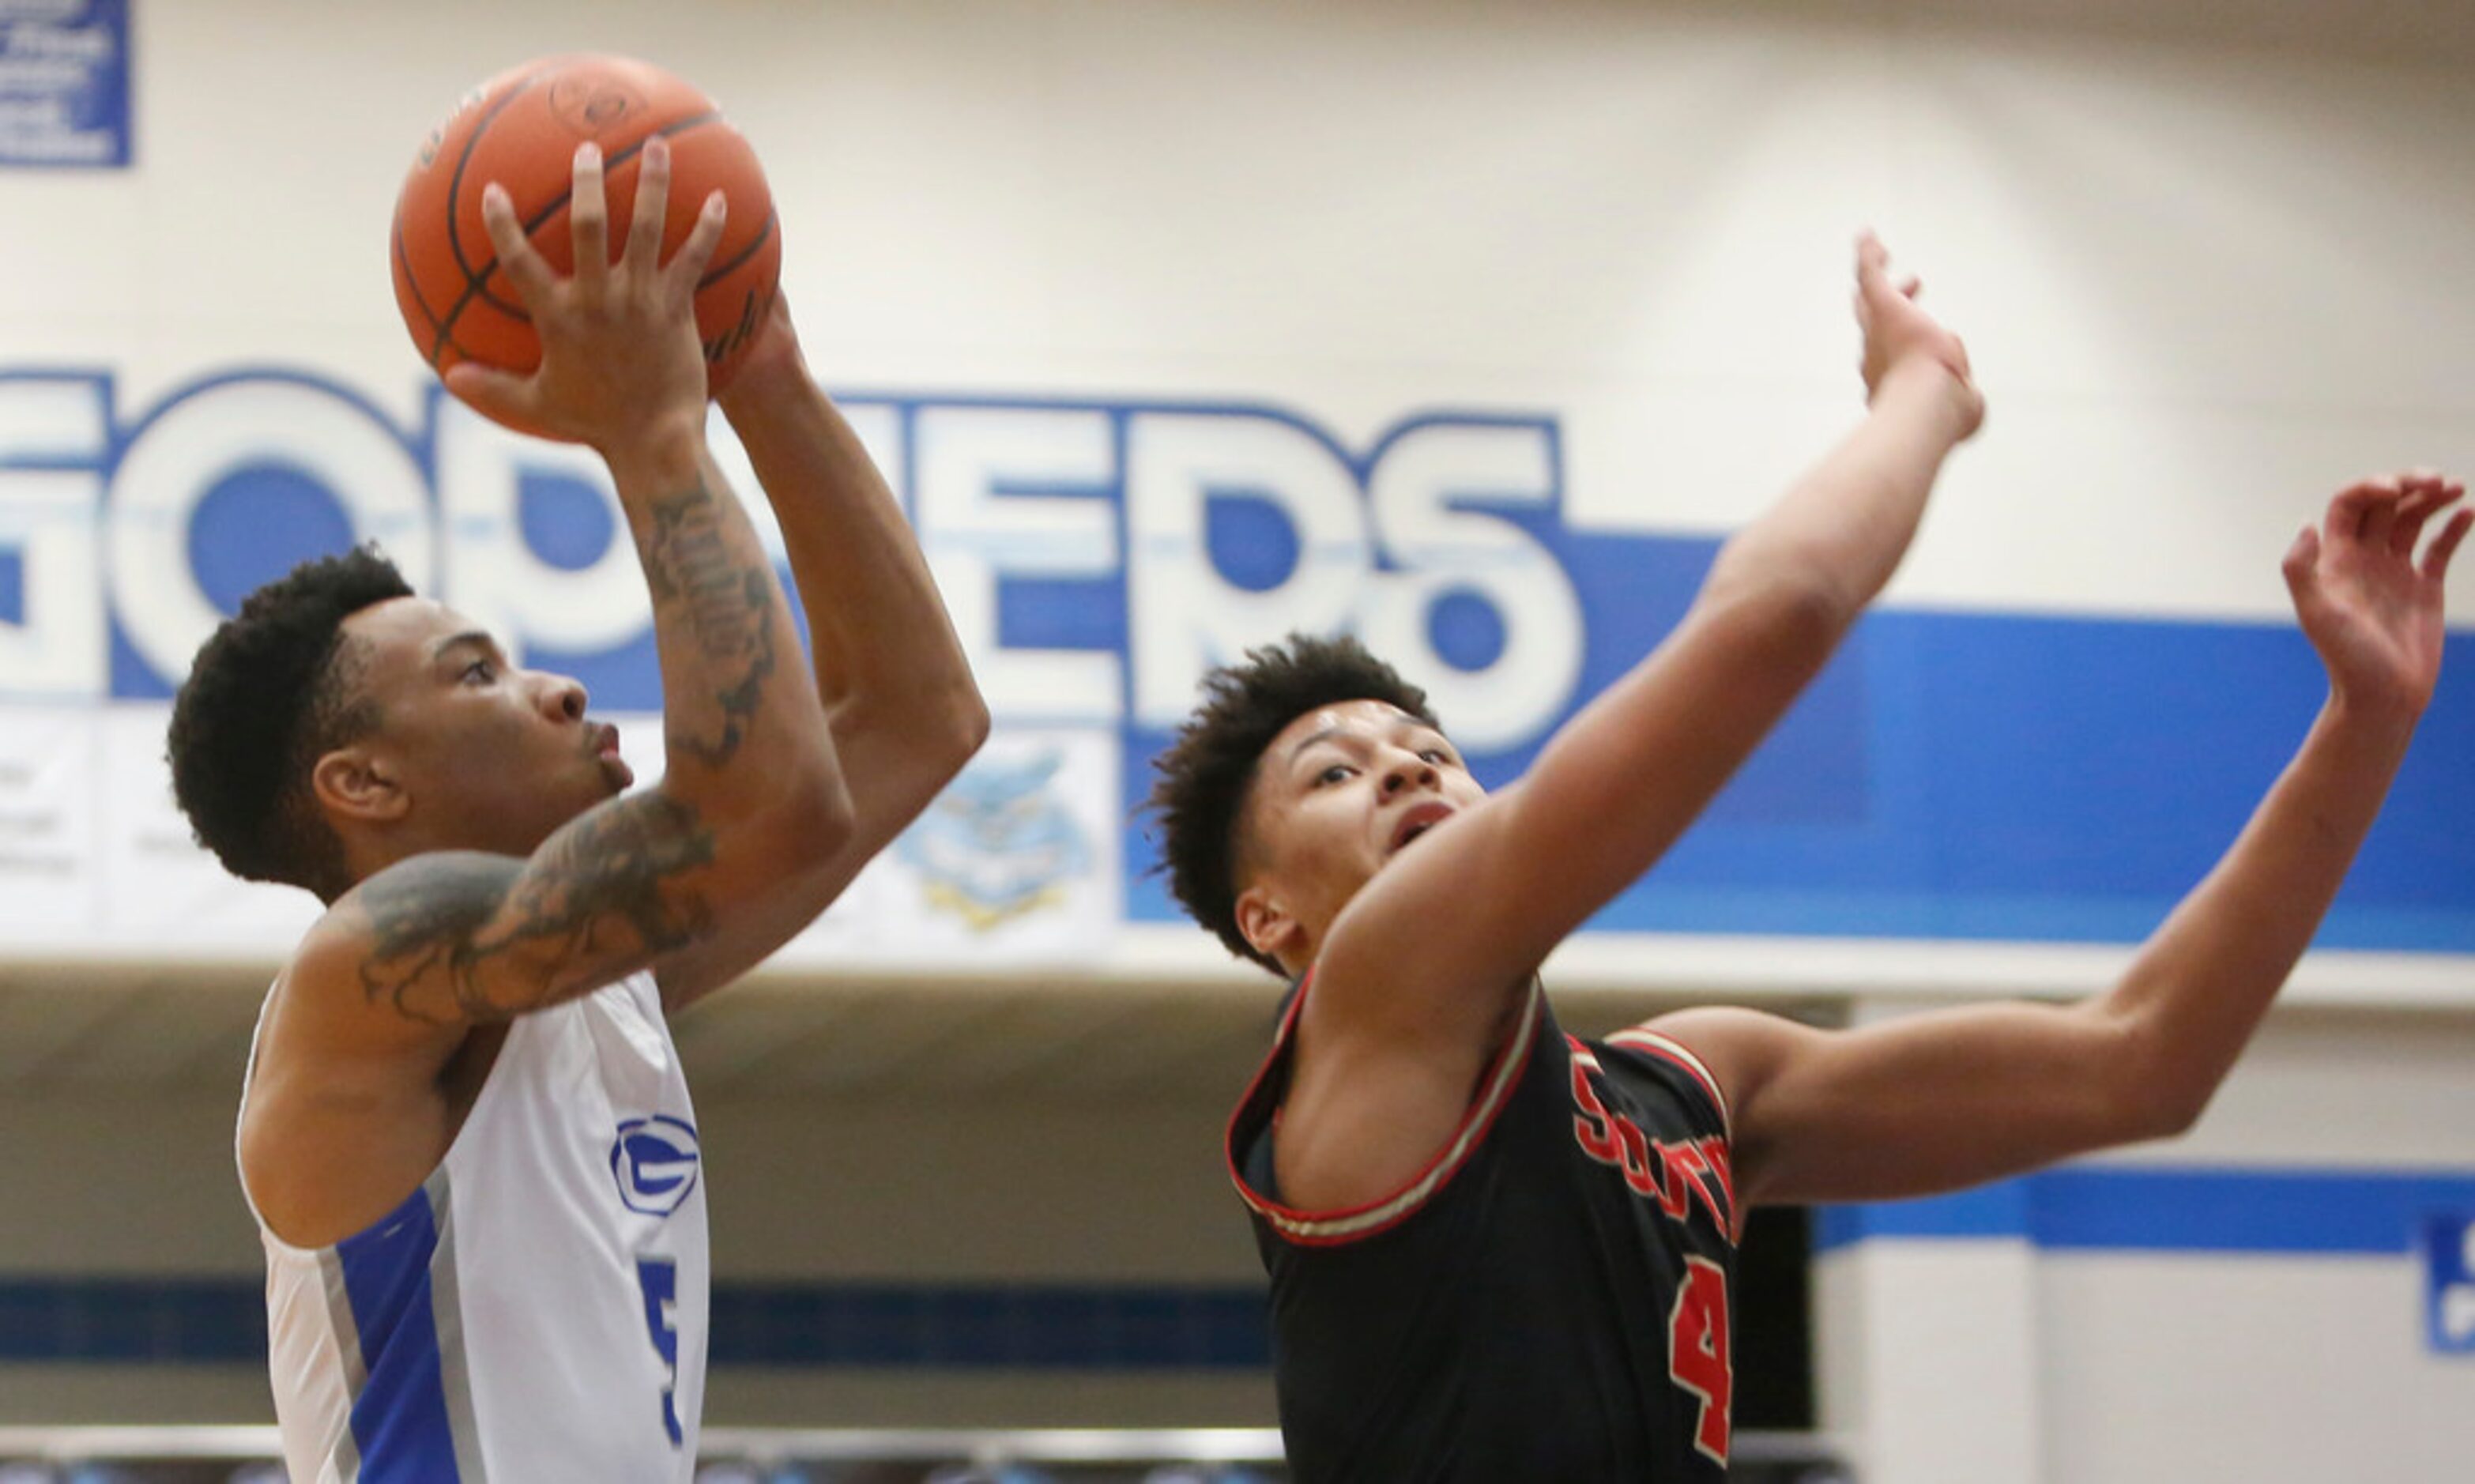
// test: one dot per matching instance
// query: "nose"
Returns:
(1404, 769)
(562, 697)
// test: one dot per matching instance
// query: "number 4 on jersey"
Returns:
(1697, 1353)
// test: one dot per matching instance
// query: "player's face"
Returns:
(492, 757)
(1339, 793)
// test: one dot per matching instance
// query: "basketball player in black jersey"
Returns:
(1502, 1256)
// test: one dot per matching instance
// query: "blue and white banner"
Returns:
(64, 82)
(1952, 776)
(2449, 1282)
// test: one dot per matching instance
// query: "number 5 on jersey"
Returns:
(660, 1278)
(1697, 1353)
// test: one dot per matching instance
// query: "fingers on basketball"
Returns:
(532, 277)
(499, 394)
(697, 251)
(456, 292)
(643, 249)
(588, 215)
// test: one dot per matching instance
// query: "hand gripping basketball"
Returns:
(621, 360)
(520, 130)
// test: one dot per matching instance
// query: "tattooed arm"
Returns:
(709, 866)
(455, 938)
(897, 690)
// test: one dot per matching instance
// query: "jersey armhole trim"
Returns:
(1352, 1224)
(1676, 1053)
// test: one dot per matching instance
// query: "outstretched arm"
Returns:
(1949, 1099)
(1414, 980)
(898, 693)
(752, 805)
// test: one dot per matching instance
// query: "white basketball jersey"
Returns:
(535, 1312)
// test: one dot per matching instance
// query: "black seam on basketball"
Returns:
(763, 234)
(404, 260)
(559, 204)
(455, 193)
(478, 286)
(464, 160)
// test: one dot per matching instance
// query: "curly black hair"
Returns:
(1199, 795)
(273, 689)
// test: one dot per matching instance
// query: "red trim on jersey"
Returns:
(1357, 1222)
(1720, 1159)
(1670, 1050)
(1720, 1155)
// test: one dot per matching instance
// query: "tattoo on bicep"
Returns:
(446, 926)
(728, 606)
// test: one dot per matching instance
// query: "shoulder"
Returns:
(1737, 1049)
(348, 983)
(329, 970)
(1268, 1137)
(1652, 1051)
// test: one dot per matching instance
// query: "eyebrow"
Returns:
(475, 637)
(1326, 733)
(1400, 721)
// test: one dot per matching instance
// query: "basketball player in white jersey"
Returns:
(465, 1133)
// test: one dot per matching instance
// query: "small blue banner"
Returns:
(64, 82)
(2450, 1287)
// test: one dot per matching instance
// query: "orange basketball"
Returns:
(520, 128)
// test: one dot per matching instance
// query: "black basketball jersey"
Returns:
(1546, 1301)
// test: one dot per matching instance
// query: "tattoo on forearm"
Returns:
(728, 604)
(445, 927)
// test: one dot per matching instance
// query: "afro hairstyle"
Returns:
(1205, 775)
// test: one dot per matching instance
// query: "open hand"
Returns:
(1899, 332)
(620, 361)
(2370, 608)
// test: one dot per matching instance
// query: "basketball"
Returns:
(520, 128)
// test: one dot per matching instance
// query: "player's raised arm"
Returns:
(1954, 1097)
(752, 805)
(1417, 973)
(897, 692)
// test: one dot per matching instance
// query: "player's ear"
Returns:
(356, 783)
(1264, 923)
